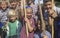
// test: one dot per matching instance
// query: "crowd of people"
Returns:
(15, 16)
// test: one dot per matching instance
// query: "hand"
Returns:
(26, 20)
(51, 12)
(45, 36)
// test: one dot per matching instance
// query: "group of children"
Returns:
(13, 21)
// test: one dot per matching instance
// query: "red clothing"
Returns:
(23, 31)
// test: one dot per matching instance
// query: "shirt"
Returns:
(18, 29)
(23, 31)
(1, 24)
(36, 1)
(35, 9)
(12, 28)
(56, 9)
(47, 33)
(3, 15)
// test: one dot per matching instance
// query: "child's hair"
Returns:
(12, 1)
(47, 1)
(28, 7)
(11, 13)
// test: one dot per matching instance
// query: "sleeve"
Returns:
(58, 11)
(19, 29)
(47, 33)
(33, 23)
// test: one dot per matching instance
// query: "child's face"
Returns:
(29, 13)
(48, 5)
(13, 4)
(3, 5)
(12, 18)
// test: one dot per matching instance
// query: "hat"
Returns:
(28, 7)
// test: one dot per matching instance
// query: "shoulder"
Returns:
(57, 9)
(0, 10)
(1, 23)
(18, 22)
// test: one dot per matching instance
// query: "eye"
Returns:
(49, 4)
(45, 5)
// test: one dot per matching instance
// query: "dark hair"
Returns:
(45, 1)
(32, 1)
(12, 1)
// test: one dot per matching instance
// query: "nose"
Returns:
(47, 6)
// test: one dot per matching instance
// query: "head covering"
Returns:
(28, 6)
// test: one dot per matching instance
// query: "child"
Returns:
(38, 32)
(14, 25)
(30, 23)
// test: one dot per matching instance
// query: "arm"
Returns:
(58, 10)
(52, 15)
(30, 27)
(19, 29)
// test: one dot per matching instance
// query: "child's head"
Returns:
(4, 5)
(39, 26)
(29, 12)
(12, 15)
(13, 4)
(48, 4)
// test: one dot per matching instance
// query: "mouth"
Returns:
(49, 8)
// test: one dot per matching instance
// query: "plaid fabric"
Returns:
(3, 15)
(35, 9)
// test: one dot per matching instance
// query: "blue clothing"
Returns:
(1, 24)
(41, 35)
(46, 16)
(57, 10)
(47, 33)
(57, 27)
(36, 36)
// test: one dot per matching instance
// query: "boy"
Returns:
(50, 13)
(14, 25)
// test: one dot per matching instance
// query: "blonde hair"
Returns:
(12, 13)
